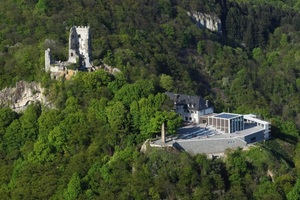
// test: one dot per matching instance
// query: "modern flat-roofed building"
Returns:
(221, 131)
(211, 133)
(252, 119)
(227, 122)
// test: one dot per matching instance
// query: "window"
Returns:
(71, 54)
(186, 118)
(79, 36)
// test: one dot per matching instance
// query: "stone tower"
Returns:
(80, 46)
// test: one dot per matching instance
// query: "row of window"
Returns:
(191, 105)
(188, 118)
(186, 111)
(189, 111)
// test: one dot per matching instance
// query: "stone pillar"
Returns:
(47, 60)
(163, 133)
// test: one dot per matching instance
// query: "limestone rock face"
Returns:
(19, 97)
(209, 21)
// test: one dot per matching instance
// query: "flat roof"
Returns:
(226, 115)
(200, 133)
(251, 118)
(200, 139)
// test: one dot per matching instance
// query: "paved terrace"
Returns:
(196, 139)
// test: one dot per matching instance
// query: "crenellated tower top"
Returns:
(80, 46)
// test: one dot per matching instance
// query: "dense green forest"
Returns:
(87, 146)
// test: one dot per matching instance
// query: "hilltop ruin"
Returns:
(79, 54)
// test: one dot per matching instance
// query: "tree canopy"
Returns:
(87, 145)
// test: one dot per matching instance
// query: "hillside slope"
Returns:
(88, 146)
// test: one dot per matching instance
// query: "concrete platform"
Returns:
(196, 139)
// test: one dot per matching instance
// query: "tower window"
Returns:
(71, 54)
(79, 36)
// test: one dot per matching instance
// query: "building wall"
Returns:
(219, 124)
(206, 111)
(203, 119)
(80, 46)
(236, 124)
(227, 125)
(264, 124)
(188, 115)
(79, 51)
(209, 146)
(254, 137)
(192, 115)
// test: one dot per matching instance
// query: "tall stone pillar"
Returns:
(163, 133)
(47, 60)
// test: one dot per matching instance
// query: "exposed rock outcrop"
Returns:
(144, 146)
(209, 21)
(19, 97)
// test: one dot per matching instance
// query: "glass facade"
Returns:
(227, 123)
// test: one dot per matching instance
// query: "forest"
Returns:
(87, 146)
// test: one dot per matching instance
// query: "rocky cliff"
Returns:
(209, 21)
(19, 97)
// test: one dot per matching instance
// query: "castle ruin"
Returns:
(79, 53)
(80, 46)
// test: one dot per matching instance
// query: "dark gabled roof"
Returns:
(192, 102)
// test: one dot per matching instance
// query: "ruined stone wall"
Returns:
(73, 46)
(109, 69)
(79, 51)
(80, 45)
(47, 60)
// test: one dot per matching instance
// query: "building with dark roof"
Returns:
(212, 133)
(190, 107)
